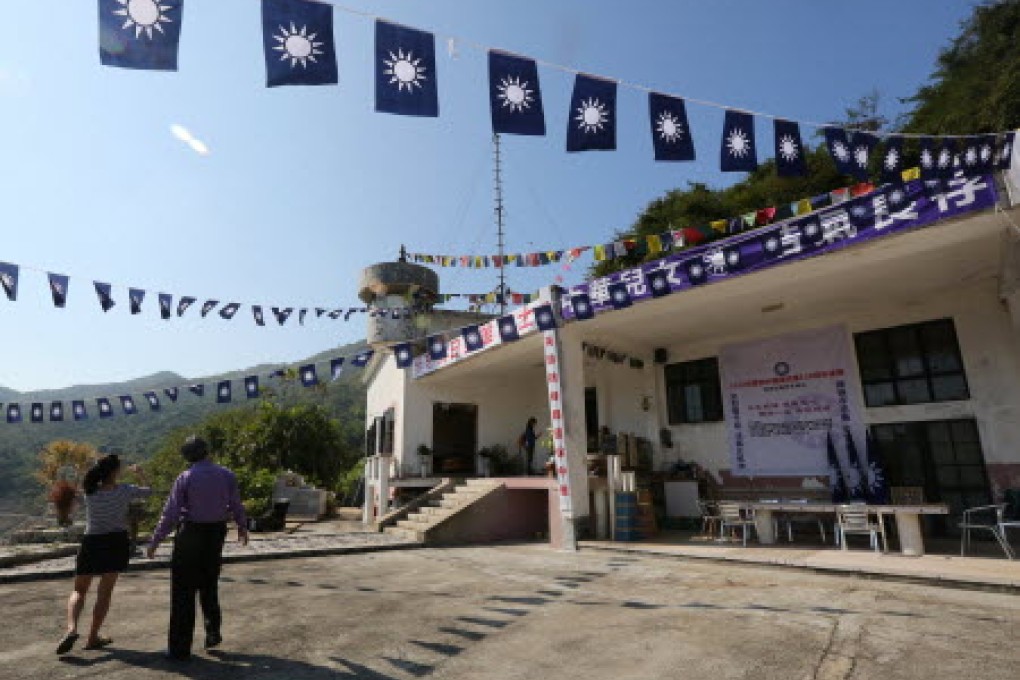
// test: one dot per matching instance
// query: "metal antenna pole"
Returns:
(498, 173)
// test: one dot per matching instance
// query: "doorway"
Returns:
(944, 458)
(454, 438)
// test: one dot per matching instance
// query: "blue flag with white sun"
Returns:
(58, 289)
(591, 124)
(892, 159)
(9, 280)
(297, 36)
(738, 152)
(839, 148)
(140, 34)
(223, 392)
(515, 98)
(789, 149)
(863, 144)
(405, 71)
(671, 133)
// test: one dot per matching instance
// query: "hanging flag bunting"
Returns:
(839, 149)
(309, 378)
(223, 395)
(171, 393)
(9, 280)
(103, 291)
(591, 123)
(405, 71)
(56, 411)
(36, 413)
(362, 358)
(403, 354)
(437, 347)
(738, 152)
(877, 487)
(184, 303)
(13, 413)
(1005, 156)
(135, 297)
(944, 160)
(128, 404)
(336, 367)
(208, 306)
(515, 98)
(301, 316)
(58, 288)
(508, 328)
(863, 143)
(837, 487)
(472, 338)
(166, 302)
(671, 133)
(140, 34)
(986, 155)
(927, 158)
(78, 409)
(619, 295)
(251, 386)
(297, 36)
(970, 155)
(855, 475)
(319, 311)
(282, 314)
(544, 318)
(105, 408)
(581, 304)
(789, 149)
(198, 390)
(256, 311)
(657, 281)
(892, 159)
(229, 310)
(278, 373)
(153, 400)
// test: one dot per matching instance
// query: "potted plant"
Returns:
(62, 495)
(425, 456)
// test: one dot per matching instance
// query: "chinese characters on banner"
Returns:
(782, 395)
(456, 347)
(556, 420)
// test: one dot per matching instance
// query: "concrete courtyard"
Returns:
(530, 612)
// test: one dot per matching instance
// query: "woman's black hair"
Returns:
(194, 449)
(99, 473)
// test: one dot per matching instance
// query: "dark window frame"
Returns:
(676, 387)
(928, 374)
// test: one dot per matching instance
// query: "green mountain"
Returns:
(140, 435)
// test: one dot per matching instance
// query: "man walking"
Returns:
(202, 499)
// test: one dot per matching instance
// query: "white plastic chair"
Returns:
(856, 519)
(731, 515)
(997, 526)
(709, 517)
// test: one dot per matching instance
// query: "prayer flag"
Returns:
(671, 133)
(297, 36)
(737, 151)
(9, 280)
(58, 289)
(140, 34)
(789, 149)
(591, 122)
(103, 293)
(515, 98)
(405, 71)
(654, 243)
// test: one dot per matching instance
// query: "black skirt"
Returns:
(103, 554)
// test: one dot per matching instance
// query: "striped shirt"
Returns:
(106, 510)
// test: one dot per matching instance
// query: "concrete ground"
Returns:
(519, 612)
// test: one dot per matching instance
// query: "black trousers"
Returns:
(195, 570)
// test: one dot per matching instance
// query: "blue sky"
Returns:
(305, 186)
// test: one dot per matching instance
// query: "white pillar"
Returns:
(383, 499)
(369, 502)
(572, 387)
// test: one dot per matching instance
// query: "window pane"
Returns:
(880, 394)
(941, 348)
(948, 477)
(692, 400)
(964, 431)
(949, 387)
(939, 432)
(693, 391)
(872, 357)
(942, 453)
(972, 476)
(906, 352)
(913, 391)
(969, 453)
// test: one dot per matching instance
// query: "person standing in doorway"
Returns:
(527, 442)
(201, 501)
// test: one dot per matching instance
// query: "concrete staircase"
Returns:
(436, 511)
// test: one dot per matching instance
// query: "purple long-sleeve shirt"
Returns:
(205, 492)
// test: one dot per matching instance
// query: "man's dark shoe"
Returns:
(213, 640)
(171, 656)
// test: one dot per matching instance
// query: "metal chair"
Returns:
(732, 515)
(856, 519)
(709, 518)
(997, 526)
(791, 519)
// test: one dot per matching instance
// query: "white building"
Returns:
(931, 317)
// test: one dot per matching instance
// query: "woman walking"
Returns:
(105, 548)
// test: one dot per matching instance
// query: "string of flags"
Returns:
(298, 40)
(673, 239)
(105, 406)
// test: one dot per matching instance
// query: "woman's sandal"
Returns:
(99, 643)
(66, 643)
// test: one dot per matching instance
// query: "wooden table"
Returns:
(908, 519)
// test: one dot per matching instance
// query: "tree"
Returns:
(64, 460)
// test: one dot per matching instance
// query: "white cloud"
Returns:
(183, 134)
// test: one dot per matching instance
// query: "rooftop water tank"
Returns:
(399, 294)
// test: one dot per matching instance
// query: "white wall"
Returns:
(619, 390)
(991, 356)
